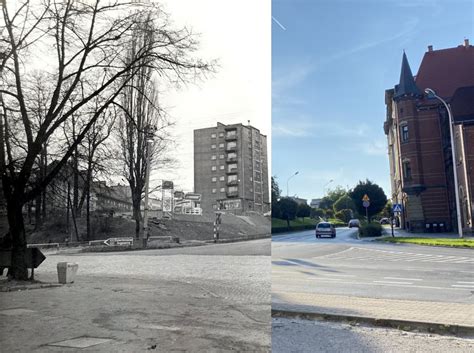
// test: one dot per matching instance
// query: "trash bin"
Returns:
(67, 272)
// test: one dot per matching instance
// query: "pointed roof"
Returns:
(407, 85)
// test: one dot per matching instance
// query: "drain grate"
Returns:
(80, 342)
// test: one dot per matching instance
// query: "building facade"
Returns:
(231, 169)
(419, 143)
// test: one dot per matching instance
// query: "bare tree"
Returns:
(90, 39)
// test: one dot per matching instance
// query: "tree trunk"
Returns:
(18, 269)
(137, 215)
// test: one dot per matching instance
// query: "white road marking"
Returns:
(463, 285)
(465, 282)
(392, 282)
(404, 279)
(337, 275)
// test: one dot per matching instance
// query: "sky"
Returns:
(332, 61)
(237, 35)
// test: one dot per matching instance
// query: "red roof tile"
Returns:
(447, 69)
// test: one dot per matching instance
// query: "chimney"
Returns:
(430, 48)
(466, 42)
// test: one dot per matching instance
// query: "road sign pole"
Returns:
(367, 214)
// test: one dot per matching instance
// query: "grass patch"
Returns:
(457, 243)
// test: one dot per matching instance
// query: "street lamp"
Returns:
(287, 192)
(432, 94)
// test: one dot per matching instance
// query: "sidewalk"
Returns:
(403, 233)
(110, 314)
(429, 316)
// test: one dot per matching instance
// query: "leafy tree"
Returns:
(387, 210)
(276, 192)
(288, 209)
(304, 210)
(332, 196)
(344, 202)
(344, 215)
(329, 213)
(377, 197)
(317, 213)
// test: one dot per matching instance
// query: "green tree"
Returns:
(276, 192)
(377, 197)
(288, 209)
(304, 210)
(328, 201)
(344, 202)
(317, 213)
(344, 215)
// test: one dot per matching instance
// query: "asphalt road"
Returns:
(348, 266)
(207, 298)
(293, 335)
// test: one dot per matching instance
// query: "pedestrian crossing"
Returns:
(374, 255)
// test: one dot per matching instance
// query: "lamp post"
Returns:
(149, 135)
(287, 183)
(432, 94)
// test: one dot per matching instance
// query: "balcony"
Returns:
(231, 159)
(232, 193)
(231, 137)
(232, 171)
(232, 182)
(231, 148)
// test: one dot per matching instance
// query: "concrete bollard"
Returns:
(67, 272)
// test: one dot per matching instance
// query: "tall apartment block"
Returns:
(419, 141)
(231, 169)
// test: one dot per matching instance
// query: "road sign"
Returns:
(397, 207)
(366, 204)
(119, 241)
(365, 198)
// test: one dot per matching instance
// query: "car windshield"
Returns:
(324, 225)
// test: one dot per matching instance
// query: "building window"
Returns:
(214, 191)
(213, 146)
(231, 145)
(233, 189)
(221, 156)
(214, 179)
(213, 168)
(213, 157)
(222, 178)
(221, 134)
(406, 170)
(404, 133)
(213, 136)
(221, 167)
(221, 145)
(222, 189)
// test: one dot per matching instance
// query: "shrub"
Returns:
(370, 230)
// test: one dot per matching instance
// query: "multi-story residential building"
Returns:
(419, 142)
(231, 168)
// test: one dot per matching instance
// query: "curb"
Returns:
(405, 325)
(29, 287)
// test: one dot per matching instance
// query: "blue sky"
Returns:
(331, 63)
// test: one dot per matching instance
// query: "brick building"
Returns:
(231, 168)
(419, 144)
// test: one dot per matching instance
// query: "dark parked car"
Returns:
(384, 220)
(353, 223)
(325, 229)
